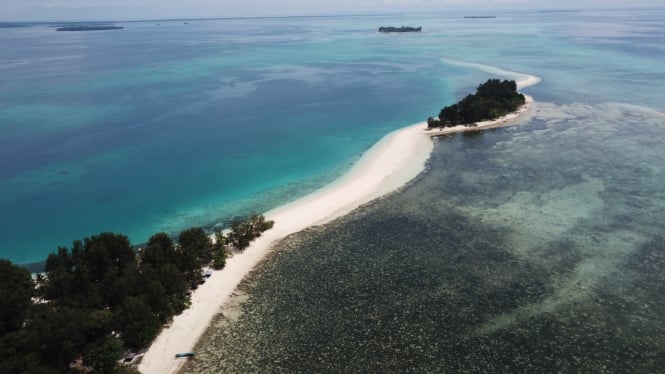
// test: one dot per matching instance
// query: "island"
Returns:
(88, 28)
(493, 99)
(479, 17)
(390, 29)
(12, 25)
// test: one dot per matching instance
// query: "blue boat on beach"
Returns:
(185, 354)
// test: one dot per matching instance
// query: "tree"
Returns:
(159, 251)
(16, 292)
(136, 322)
(492, 99)
(449, 115)
(60, 334)
(244, 231)
(260, 224)
(198, 243)
(158, 301)
(433, 122)
(103, 355)
(172, 280)
(114, 290)
(96, 287)
(241, 234)
(190, 268)
(219, 257)
(107, 251)
(58, 269)
(77, 277)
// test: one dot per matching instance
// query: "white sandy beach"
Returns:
(522, 80)
(391, 163)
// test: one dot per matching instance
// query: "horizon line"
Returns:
(330, 15)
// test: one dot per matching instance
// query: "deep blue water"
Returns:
(161, 127)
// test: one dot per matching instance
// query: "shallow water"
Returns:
(537, 247)
(532, 248)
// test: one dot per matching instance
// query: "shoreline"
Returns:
(389, 164)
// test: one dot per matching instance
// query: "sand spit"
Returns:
(391, 163)
(388, 165)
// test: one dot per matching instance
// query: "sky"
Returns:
(60, 10)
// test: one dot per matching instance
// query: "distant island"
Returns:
(389, 29)
(560, 11)
(12, 25)
(493, 99)
(88, 28)
(479, 16)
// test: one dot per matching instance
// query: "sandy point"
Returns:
(391, 163)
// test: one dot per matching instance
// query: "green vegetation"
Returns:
(243, 232)
(220, 252)
(101, 298)
(493, 99)
(16, 291)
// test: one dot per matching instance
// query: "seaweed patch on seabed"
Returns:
(600, 223)
(535, 248)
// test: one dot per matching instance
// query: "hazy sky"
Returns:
(142, 9)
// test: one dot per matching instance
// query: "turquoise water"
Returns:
(532, 248)
(537, 248)
(161, 127)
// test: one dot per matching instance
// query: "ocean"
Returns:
(163, 125)
(166, 125)
(536, 247)
(531, 248)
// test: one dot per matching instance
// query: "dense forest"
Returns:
(101, 299)
(493, 99)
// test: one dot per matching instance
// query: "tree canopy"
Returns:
(493, 99)
(100, 297)
(16, 292)
(244, 231)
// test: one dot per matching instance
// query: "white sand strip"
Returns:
(389, 164)
(392, 162)
(523, 80)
